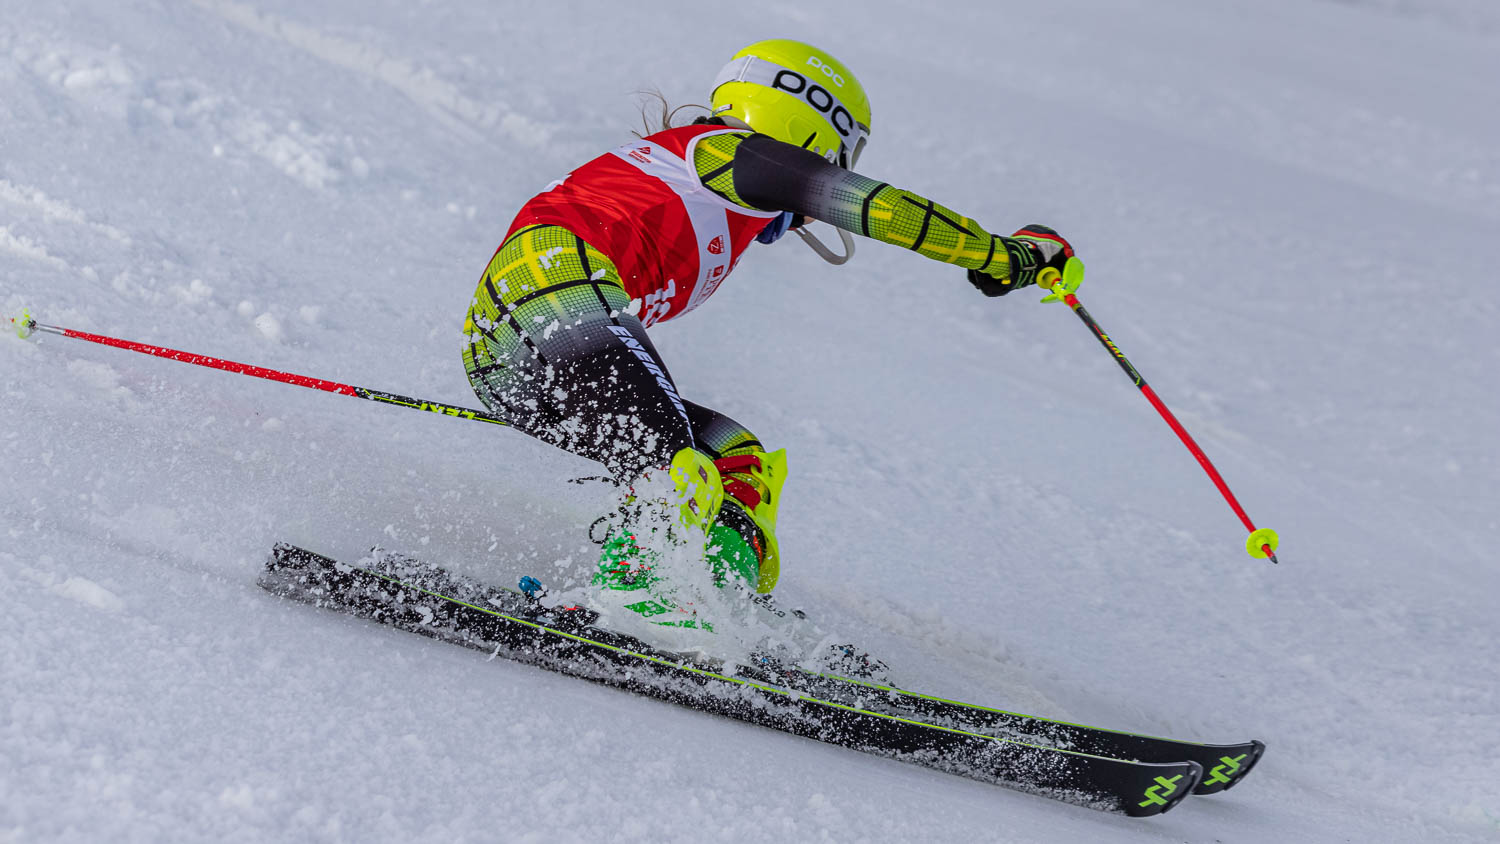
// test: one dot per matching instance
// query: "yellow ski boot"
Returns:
(742, 543)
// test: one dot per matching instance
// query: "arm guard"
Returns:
(761, 172)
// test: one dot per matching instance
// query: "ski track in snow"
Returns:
(1288, 231)
(441, 99)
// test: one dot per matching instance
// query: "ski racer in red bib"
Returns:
(556, 334)
(673, 240)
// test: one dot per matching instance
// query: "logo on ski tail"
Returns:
(1226, 769)
(1155, 796)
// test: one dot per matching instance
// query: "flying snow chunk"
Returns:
(270, 327)
(195, 293)
(88, 592)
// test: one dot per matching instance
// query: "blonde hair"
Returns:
(657, 115)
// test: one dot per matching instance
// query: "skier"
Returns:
(556, 333)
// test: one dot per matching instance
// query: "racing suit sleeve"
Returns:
(771, 175)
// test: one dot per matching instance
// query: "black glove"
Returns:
(1031, 250)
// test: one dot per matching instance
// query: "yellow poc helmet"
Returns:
(796, 93)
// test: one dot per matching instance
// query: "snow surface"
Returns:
(1289, 211)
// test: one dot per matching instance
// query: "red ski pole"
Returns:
(25, 326)
(1262, 542)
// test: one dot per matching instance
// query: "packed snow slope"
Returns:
(1289, 212)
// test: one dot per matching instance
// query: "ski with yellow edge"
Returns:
(425, 599)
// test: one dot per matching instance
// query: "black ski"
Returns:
(1224, 764)
(426, 600)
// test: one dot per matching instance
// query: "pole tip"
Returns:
(1261, 544)
(24, 324)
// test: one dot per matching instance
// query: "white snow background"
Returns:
(1289, 213)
